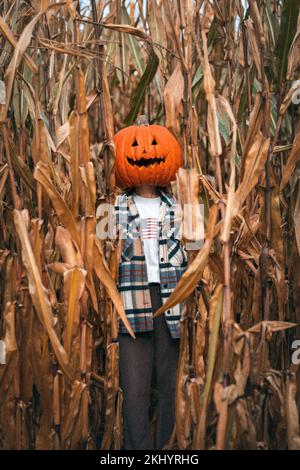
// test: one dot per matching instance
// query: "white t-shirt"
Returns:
(148, 209)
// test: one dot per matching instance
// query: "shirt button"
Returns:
(161, 259)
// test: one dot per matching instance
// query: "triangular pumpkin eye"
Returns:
(154, 142)
(135, 143)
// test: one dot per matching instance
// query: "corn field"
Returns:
(223, 77)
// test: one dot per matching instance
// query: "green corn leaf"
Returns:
(140, 91)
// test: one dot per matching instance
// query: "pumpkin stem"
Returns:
(142, 120)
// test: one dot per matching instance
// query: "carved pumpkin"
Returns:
(146, 154)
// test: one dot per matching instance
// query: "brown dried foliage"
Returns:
(220, 78)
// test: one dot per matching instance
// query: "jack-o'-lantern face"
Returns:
(146, 154)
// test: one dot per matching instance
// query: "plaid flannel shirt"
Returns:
(132, 276)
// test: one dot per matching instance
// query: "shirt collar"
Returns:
(165, 196)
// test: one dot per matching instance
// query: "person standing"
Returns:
(152, 261)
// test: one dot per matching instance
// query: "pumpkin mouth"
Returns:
(146, 161)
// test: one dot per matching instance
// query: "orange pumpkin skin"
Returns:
(146, 154)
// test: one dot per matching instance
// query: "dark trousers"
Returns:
(137, 358)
